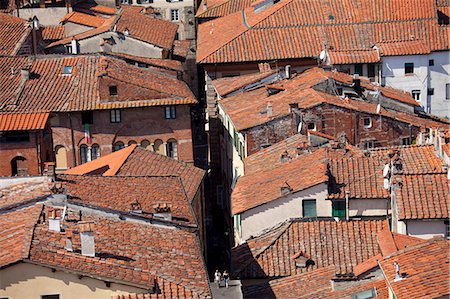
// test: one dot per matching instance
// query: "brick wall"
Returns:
(137, 124)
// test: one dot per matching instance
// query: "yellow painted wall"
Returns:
(28, 281)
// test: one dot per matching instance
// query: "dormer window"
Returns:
(312, 127)
(67, 70)
(113, 90)
(367, 122)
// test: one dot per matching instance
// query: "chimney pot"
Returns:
(87, 238)
(269, 109)
(288, 72)
(25, 73)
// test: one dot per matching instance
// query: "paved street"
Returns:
(233, 291)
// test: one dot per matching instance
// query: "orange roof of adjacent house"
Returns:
(23, 121)
(83, 19)
(23, 191)
(219, 8)
(275, 32)
(157, 62)
(343, 245)
(227, 85)
(49, 89)
(13, 32)
(50, 33)
(423, 268)
(260, 187)
(135, 161)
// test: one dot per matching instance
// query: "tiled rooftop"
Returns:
(21, 192)
(13, 32)
(48, 89)
(83, 19)
(342, 244)
(260, 187)
(118, 193)
(23, 121)
(220, 8)
(227, 85)
(425, 270)
(52, 33)
(135, 161)
(161, 63)
(246, 35)
(425, 196)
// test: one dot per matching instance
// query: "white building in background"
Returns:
(426, 77)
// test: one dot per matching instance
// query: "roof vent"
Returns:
(269, 109)
(25, 74)
(163, 211)
(87, 238)
(126, 31)
(285, 157)
(398, 275)
(288, 72)
(136, 207)
(286, 188)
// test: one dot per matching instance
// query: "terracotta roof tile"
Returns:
(83, 19)
(409, 47)
(342, 244)
(181, 48)
(425, 196)
(13, 32)
(94, 8)
(362, 177)
(425, 269)
(227, 85)
(22, 192)
(343, 25)
(51, 33)
(147, 28)
(354, 56)
(127, 252)
(16, 232)
(264, 186)
(117, 193)
(446, 148)
(220, 8)
(161, 63)
(135, 161)
(50, 90)
(23, 121)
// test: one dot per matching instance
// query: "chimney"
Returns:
(136, 207)
(288, 72)
(87, 238)
(285, 157)
(269, 109)
(163, 211)
(356, 82)
(398, 276)
(25, 74)
(126, 31)
(54, 221)
(74, 46)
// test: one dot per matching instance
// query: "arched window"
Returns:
(157, 146)
(118, 146)
(83, 153)
(145, 144)
(172, 148)
(131, 142)
(19, 166)
(95, 152)
(61, 157)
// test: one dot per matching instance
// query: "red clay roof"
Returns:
(260, 187)
(350, 56)
(342, 244)
(146, 28)
(162, 63)
(227, 85)
(16, 232)
(119, 192)
(425, 267)
(50, 33)
(362, 177)
(408, 47)
(181, 48)
(22, 192)
(220, 8)
(126, 252)
(50, 90)
(276, 32)
(13, 32)
(23, 121)
(425, 196)
(135, 161)
(83, 19)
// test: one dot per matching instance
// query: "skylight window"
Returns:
(67, 70)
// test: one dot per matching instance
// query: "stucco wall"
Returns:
(369, 207)
(28, 281)
(424, 77)
(71, 29)
(48, 16)
(270, 214)
(425, 229)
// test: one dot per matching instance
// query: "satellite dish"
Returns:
(299, 128)
(323, 55)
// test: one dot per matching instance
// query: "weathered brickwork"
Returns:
(137, 125)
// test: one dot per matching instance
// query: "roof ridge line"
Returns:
(414, 247)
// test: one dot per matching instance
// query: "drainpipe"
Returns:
(346, 205)
(74, 151)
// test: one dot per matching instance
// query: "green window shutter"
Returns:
(338, 209)
(309, 209)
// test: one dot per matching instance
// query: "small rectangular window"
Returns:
(368, 144)
(50, 297)
(170, 112)
(338, 209)
(67, 70)
(447, 91)
(409, 68)
(447, 229)
(416, 95)
(368, 294)
(406, 141)
(371, 71)
(309, 208)
(87, 118)
(116, 116)
(113, 90)
(312, 126)
(367, 122)
(431, 62)
(174, 15)
(359, 69)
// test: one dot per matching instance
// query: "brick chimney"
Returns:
(87, 238)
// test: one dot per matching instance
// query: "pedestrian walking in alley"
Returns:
(217, 277)
(226, 278)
